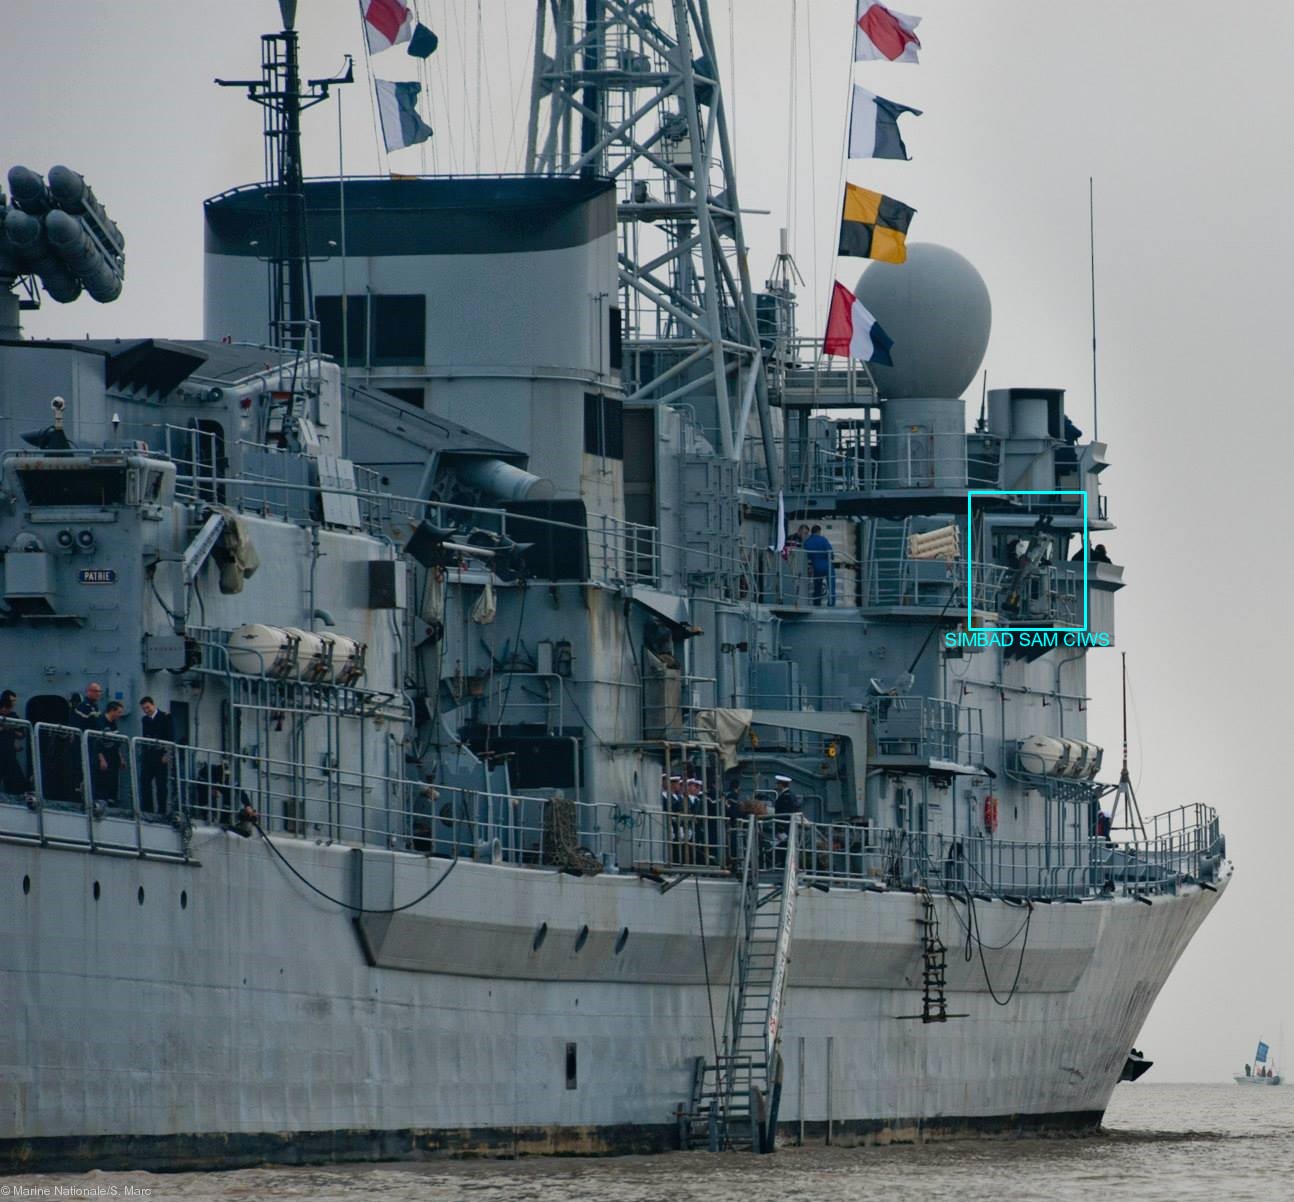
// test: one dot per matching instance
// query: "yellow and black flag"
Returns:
(874, 226)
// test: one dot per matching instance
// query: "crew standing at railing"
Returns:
(14, 778)
(154, 760)
(85, 714)
(784, 805)
(733, 816)
(818, 548)
(105, 756)
(676, 823)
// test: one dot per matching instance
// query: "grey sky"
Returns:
(1180, 113)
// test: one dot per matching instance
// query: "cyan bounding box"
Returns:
(970, 551)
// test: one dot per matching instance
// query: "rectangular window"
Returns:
(613, 428)
(399, 331)
(396, 335)
(617, 339)
(604, 426)
(592, 424)
(570, 1066)
(87, 487)
(328, 312)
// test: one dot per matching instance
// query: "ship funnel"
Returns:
(288, 11)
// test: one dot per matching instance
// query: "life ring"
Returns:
(990, 813)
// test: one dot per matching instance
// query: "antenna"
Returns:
(1091, 245)
(1124, 793)
(280, 93)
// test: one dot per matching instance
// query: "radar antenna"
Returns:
(280, 93)
(616, 93)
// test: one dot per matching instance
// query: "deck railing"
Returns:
(110, 792)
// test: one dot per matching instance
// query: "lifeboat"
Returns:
(258, 650)
(1041, 755)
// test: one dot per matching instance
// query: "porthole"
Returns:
(582, 938)
(26, 884)
(184, 900)
(96, 891)
(622, 939)
(540, 936)
(140, 895)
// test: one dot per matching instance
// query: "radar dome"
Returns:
(936, 308)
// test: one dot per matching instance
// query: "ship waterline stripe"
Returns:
(236, 1149)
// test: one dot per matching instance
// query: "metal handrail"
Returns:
(362, 808)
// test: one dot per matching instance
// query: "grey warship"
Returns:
(522, 784)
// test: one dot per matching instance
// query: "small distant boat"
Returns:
(1260, 1072)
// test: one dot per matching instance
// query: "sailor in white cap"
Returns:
(675, 803)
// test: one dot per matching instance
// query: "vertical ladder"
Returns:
(735, 1099)
(934, 998)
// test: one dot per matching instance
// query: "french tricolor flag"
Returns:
(885, 34)
(386, 23)
(852, 332)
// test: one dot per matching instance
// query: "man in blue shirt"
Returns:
(818, 549)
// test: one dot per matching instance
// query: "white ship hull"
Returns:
(256, 1021)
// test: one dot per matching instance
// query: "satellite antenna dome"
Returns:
(936, 308)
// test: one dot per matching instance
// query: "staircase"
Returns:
(887, 562)
(735, 1099)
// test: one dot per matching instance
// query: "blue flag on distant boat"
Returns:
(397, 105)
(1260, 1056)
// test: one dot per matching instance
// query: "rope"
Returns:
(979, 942)
(336, 901)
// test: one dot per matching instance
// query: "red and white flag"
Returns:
(386, 23)
(885, 34)
(852, 332)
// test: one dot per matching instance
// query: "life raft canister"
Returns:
(990, 813)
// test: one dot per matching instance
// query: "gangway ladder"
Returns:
(888, 566)
(735, 1100)
(934, 969)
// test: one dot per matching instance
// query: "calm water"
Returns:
(1175, 1143)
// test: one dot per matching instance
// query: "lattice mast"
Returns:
(617, 93)
(284, 96)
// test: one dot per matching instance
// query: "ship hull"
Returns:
(232, 1016)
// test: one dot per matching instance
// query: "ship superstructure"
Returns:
(526, 787)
